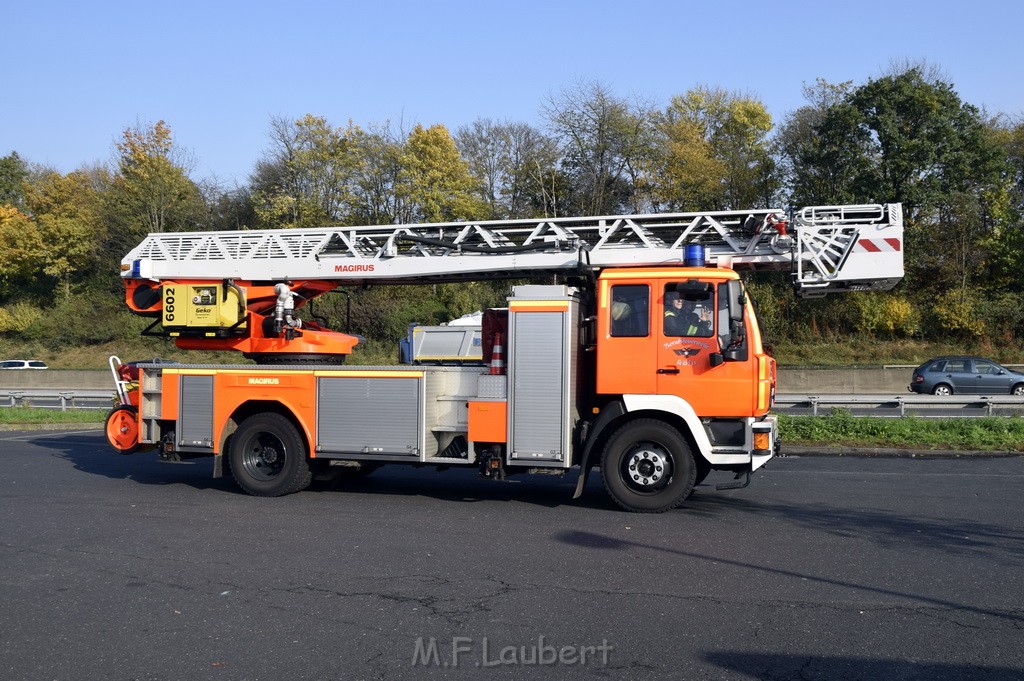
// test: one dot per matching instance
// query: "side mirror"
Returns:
(731, 329)
(736, 300)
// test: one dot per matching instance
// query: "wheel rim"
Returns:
(1019, 390)
(647, 467)
(123, 430)
(942, 390)
(264, 456)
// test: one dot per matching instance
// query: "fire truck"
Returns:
(635, 349)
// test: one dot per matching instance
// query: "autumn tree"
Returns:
(151, 190)
(376, 199)
(228, 208)
(818, 169)
(603, 143)
(713, 153)
(306, 177)
(908, 137)
(22, 251)
(1007, 242)
(13, 173)
(514, 164)
(434, 180)
(67, 213)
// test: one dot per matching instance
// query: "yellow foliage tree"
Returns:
(957, 314)
(434, 180)
(151, 190)
(18, 317)
(22, 250)
(886, 314)
(67, 215)
(714, 153)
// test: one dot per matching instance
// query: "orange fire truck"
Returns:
(643, 358)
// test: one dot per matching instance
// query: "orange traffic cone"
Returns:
(497, 357)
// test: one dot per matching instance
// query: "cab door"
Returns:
(626, 337)
(686, 347)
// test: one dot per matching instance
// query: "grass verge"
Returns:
(36, 415)
(993, 433)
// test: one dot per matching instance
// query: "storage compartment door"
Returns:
(370, 416)
(195, 421)
(538, 387)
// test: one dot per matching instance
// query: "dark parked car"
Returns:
(968, 375)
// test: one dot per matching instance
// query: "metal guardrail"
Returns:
(953, 406)
(53, 398)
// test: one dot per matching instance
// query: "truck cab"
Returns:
(681, 374)
(677, 332)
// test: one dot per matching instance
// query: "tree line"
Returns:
(906, 137)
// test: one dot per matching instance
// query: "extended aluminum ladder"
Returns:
(828, 248)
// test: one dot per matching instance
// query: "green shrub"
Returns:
(18, 317)
(84, 320)
(885, 314)
(956, 312)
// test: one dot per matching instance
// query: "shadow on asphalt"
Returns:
(836, 668)
(881, 527)
(90, 454)
(941, 540)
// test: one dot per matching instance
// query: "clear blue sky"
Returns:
(75, 74)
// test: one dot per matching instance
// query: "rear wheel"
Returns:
(268, 456)
(647, 467)
(122, 429)
(942, 390)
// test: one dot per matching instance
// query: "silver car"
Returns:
(968, 375)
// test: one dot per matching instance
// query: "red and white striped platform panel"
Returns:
(879, 245)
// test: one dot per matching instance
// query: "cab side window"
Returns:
(629, 310)
(688, 314)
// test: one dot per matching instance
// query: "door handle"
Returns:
(673, 370)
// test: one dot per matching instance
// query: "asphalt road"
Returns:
(824, 568)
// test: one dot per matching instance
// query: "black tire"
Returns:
(268, 457)
(647, 467)
(942, 389)
(1017, 389)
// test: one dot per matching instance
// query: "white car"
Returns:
(22, 364)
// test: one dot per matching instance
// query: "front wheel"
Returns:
(1017, 389)
(268, 457)
(647, 467)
